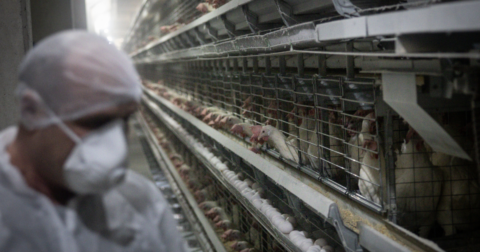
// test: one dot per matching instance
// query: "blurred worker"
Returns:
(64, 185)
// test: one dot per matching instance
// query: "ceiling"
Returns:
(112, 18)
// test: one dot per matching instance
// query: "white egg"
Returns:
(246, 190)
(295, 234)
(277, 221)
(285, 227)
(256, 195)
(314, 248)
(305, 244)
(321, 242)
(257, 203)
(242, 185)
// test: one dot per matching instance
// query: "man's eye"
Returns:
(94, 123)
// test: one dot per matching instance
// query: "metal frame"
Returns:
(309, 196)
(371, 26)
(182, 193)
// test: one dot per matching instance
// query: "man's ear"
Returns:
(31, 107)
(28, 104)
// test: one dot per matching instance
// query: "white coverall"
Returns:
(131, 217)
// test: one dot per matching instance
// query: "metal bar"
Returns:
(161, 155)
(314, 199)
(390, 168)
(350, 62)
(228, 26)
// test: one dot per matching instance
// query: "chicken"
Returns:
(212, 116)
(256, 129)
(179, 101)
(240, 245)
(228, 121)
(232, 235)
(223, 224)
(355, 142)
(250, 250)
(216, 211)
(203, 194)
(460, 200)
(307, 133)
(418, 187)
(292, 127)
(373, 164)
(336, 146)
(369, 182)
(242, 129)
(275, 138)
(247, 102)
(272, 114)
(207, 205)
(191, 106)
(204, 7)
(248, 110)
(184, 171)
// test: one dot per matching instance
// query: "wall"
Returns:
(22, 23)
(15, 40)
(51, 16)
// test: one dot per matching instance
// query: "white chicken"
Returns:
(228, 121)
(240, 245)
(275, 138)
(460, 200)
(336, 146)
(373, 165)
(307, 134)
(242, 129)
(356, 142)
(232, 235)
(418, 187)
(370, 182)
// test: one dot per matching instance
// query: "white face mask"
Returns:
(96, 163)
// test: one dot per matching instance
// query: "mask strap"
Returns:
(68, 131)
(62, 125)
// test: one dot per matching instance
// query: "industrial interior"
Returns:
(308, 125)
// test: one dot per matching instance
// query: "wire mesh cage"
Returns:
(339, 131)
(236, 224)
(317, 119)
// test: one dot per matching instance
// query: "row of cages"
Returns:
(187, 228)
(247, 18)
(339, 131)
(158, 18)
(235, 225)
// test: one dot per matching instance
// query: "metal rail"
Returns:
(278, 175)
(462, 17)
(176, 181)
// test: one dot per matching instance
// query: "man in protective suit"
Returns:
(64, 185)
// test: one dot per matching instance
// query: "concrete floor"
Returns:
(136, 157)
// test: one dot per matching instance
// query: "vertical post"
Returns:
(250, 83)
(317, 125)
(227, 79)
(300, 71)
(350, 61)
(282, 63)
(390, 168)
(322, 64)
(268, 72)
(235, 71)
(268, 65)
(275, 85)
(300, 65)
